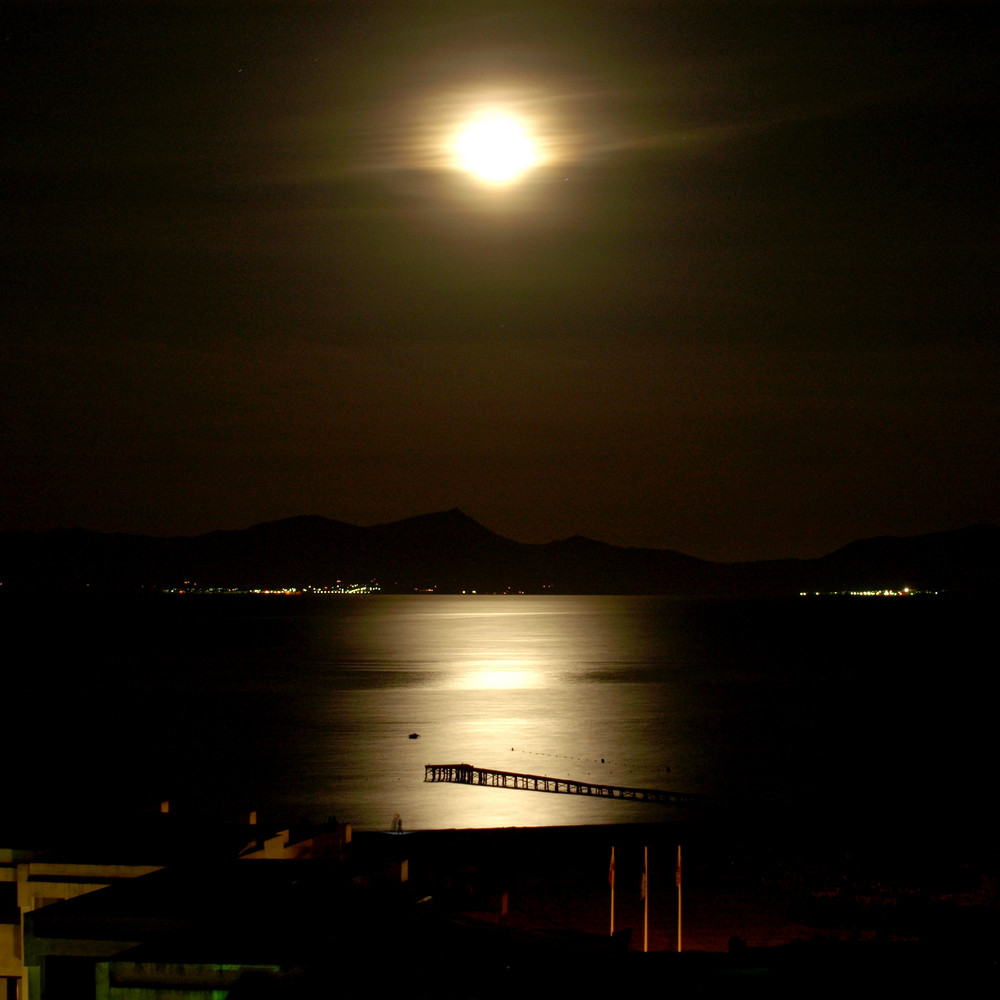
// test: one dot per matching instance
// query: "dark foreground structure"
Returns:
(189, 910)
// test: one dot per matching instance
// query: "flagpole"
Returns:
(611, 877)
(678, 897)
(645, 896)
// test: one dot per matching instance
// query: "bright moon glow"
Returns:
(499, 676)
(496, 149)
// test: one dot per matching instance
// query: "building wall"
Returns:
(42, 883)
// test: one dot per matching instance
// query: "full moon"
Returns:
(496, 149)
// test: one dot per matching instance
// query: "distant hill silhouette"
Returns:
(450, 552)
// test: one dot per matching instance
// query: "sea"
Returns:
(872, 710)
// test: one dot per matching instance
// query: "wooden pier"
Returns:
(467, 774)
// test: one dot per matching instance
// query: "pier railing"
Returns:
(468, 774)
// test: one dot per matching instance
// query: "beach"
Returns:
(750, 899)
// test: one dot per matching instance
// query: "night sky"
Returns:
(743, 306)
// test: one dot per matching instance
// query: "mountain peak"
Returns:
(448, 551)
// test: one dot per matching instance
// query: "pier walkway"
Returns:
(467, 774)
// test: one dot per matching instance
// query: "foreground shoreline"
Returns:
(753, 887)
(765, 911)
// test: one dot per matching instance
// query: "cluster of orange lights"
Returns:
(904, 592)
(339, 588)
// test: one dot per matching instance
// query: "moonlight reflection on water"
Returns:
(305, 707)
(510, 683)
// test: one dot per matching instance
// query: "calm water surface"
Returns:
(305, 706)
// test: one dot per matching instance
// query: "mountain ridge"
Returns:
(449, 551)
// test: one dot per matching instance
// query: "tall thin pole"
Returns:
(645, 896)
(611, 879)
(678, 880)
